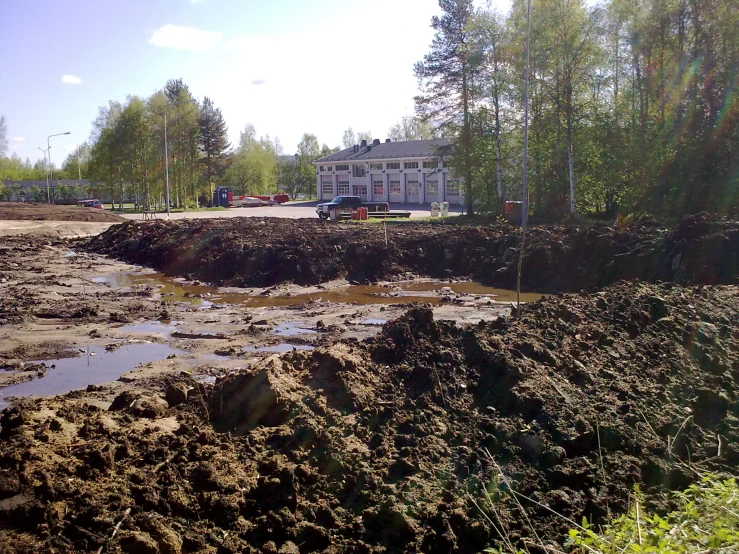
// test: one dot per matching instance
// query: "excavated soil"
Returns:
(21, 211)
(390, 445)
(702, 249)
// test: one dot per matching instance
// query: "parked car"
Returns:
(91, 203)
(345, 204)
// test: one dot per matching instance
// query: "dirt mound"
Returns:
(264, 252)
(54, 212)
(380, 446)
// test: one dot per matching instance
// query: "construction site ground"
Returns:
(272, 385)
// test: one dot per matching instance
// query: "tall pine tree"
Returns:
(213, 139)
(447, 78)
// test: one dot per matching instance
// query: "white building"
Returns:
(413, 171)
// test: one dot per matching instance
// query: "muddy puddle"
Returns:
(277, 348)
(169, 288)
(94, 366)
(402, 292)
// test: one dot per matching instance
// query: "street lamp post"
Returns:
(51, 175)
(46, 172)
(166, 155)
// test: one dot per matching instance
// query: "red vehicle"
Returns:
(91, 203)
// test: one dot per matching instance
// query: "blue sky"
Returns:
(288, 66)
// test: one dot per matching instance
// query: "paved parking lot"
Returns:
(292, 211)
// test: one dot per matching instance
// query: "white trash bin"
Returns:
(444, 209)
(434, 209)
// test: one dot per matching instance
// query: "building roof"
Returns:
(390, 150)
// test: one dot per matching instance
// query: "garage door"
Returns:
(378, 188)
(394, 188)
(327, 187)
(432, 189)
(412, 190)
(361, 191)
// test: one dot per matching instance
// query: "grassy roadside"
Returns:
(706, 520)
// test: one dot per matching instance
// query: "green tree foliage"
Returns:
(127, 148)
(213, 141)
(253, 170)
(633, 105)
(76, 166)
(411, 128)
(448, 75)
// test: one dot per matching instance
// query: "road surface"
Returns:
(292, 211)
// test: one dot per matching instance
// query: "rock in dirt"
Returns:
(140, 404)
(176, 394)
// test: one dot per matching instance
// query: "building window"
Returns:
(342, 167)
(410, 165)
(393, 165)
(432, 187)
(452, 188)
(431, 165)
(327, 188)
(329, 168)
(394, 187)
(375, 166)
(377, 188)
(358, 170)
(343, 188)
(321, 168)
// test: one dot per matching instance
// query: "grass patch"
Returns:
(706, 520)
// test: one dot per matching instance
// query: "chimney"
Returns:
(363, 144)
(356, 148)
(387, 140)
(376, 142)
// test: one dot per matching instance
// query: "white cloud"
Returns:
(258, 82)
(185, 38)
(19, 139)
(71, 80)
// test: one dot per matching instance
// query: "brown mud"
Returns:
(380, 446)
(254, 252)
(23, 211)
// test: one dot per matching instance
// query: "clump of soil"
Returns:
(53, 212)
(703, 249)
(383, 445)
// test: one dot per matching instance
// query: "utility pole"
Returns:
(51, 175)
(46, 173)
(525, 198)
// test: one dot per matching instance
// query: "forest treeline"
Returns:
(634, 104)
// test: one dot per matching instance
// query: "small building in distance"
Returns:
(413, 171)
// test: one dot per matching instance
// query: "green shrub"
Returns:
(706, 520)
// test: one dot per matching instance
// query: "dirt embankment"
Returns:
(262, 252)
(379, 446)
(24, 211)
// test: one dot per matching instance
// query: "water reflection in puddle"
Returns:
(291, 328)
(93, 367)
(401, 292)
(150, 327)
(168, 288)
(373, 321)
(278, 348)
